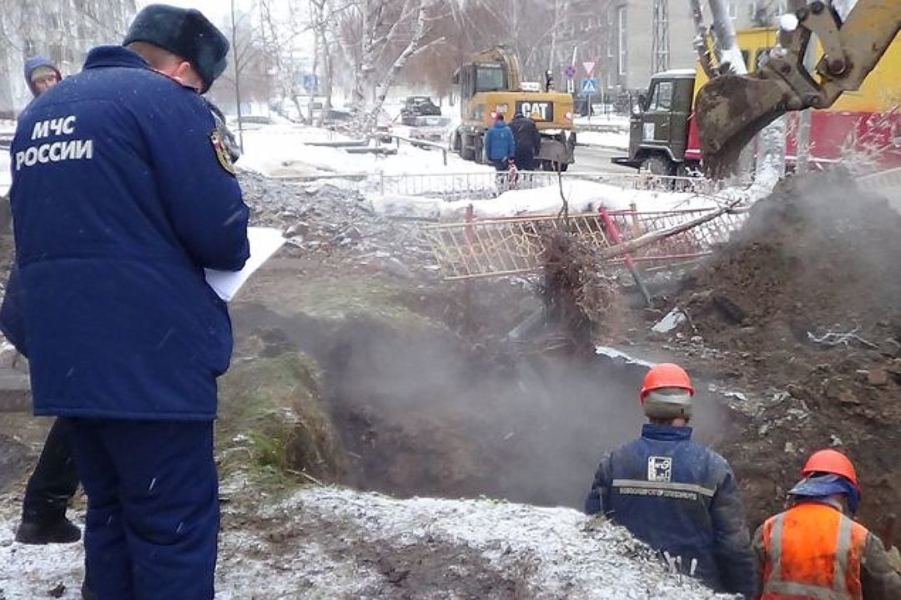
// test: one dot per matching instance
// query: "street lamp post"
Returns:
(237, 77)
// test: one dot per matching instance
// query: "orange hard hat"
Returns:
(830, 461)
(666, 375)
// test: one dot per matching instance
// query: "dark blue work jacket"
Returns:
(680, 498)
(120, 199)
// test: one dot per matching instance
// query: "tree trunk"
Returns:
(414, 46)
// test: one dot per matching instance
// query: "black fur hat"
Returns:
(185, 32)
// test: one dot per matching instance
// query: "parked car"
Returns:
(429, 128)
(418, 106)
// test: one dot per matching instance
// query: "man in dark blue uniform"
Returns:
(123, 193)
(677, 496)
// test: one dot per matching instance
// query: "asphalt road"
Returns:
(597, 159)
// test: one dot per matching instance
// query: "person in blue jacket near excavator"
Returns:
(123, 193)
(500, 147)
(676, 495)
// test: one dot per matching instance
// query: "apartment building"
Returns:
(628, 48)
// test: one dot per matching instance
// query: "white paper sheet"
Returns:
(264, 242)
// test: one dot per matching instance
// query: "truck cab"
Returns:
(659, 125)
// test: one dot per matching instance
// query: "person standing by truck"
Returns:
(527, 140)
(500, 147)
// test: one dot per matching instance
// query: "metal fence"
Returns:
(508, 246)
(482, 185)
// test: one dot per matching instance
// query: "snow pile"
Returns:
(279, 148)
(333, 223)
(285, 150)
(545, 552)
(582, 195)
(339, 543)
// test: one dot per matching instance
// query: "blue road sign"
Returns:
(310, 82)
(570, 71)
(589, 86)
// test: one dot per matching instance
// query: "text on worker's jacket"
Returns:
(57, 151)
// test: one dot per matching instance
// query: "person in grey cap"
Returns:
(124, 191)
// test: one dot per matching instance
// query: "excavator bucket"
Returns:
(731, 110)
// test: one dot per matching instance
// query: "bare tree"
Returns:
(378, 38)
(63, 30)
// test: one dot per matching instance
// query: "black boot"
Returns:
(60, 531)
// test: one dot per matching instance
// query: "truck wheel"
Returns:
(657, 164)
(478, 145)
(466, 152)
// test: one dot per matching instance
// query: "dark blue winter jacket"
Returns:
(679, 497)
(499, 143)
(119, 201)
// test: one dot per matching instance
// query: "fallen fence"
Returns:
(479, 248)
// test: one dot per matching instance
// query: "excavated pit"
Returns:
(424, 412)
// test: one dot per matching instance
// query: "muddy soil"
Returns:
(817, 257)
(428, 410)
(14, 458)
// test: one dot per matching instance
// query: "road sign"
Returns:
(570, 72)
(589, 67)
(589, 86)
(310, 82)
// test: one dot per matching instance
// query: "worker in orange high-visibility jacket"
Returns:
(815, 550)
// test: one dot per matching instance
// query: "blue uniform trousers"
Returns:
(153, 508)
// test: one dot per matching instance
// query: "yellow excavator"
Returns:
(492, 84)
(732, 109)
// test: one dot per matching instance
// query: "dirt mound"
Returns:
(818, 255)
(815, 262)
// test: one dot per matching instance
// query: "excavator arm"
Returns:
(732, 109)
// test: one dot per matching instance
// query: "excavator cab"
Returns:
(485, 77)
(732, 109)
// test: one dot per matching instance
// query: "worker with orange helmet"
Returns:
(676, 495)
(815, 549)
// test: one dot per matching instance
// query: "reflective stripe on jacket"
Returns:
(812, 551)
(681, 498)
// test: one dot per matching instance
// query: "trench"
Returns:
(431, 414)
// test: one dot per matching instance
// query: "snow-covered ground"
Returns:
(607, 139)
(328, 542)
(582, 196)
(7, 129)
(283, 149)
(5, 173)
(621, 121)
